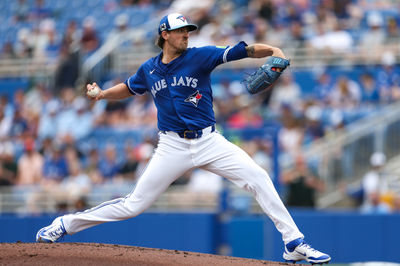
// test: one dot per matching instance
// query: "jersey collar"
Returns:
(167, 67)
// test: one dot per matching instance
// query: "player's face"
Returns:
(178, 39)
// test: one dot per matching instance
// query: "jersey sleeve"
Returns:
(136, 83)
(215, 55)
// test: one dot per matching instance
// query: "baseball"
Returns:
(94, 91)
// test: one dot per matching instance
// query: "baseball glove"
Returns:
(266, 74)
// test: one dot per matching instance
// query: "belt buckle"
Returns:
(188, 132)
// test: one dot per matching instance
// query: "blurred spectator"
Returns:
(115, 115)
(246, 116)
(20, 125)
(55, 167)
(72, 156)
(81, 204)
(388, 79)
(71, 37)
(21, 11)
(112, 113)
(211, 32)
(372, 39)
(89, 40)
(289, 12)
(46, 147)
(82, 123)
(345, 94)
(323, 87)
(396, 204)
(63, 195)
(261, 29)
(286, 92)
(369, 89)
(140, 112)
(296, 37)
(188, 7)
(375, 205)
(223, 99)
(6, 106)
(24, 44)
(35, 97)
(67, 71)
(265, 9)
(279, 34)
(5, 124)
(47, 40)
(76, 185)
(30, 165)
(334, 41)
(393, 31)
(8, 167)
(244, 28)
(67, 116)
(92, 165)
(291, 135)
(4, 178)
(121, 27)
(144, 153)
(123, 34)
(39, 11)
(302, 185)
(48, 120)
(375, 181)
(259, 150)
(341, 8)
(7, 51)
(18, 99)
(314, 128)
(109, 166)
(325, 17)
(129, 167)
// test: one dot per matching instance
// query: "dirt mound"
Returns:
(102, 254)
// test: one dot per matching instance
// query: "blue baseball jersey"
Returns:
(181, 89)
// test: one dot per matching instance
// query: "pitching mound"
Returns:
(101, 254)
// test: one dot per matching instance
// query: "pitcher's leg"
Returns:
(233, 163)
(161, 171)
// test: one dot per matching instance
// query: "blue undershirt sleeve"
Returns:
(235, 52)
(212, 56)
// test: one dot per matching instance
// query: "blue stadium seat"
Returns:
(9, 86)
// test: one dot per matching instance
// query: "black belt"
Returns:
(192, 134)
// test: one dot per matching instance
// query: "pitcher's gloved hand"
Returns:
(266, 75)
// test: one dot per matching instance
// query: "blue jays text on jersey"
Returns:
(181, 81)
(181, 89)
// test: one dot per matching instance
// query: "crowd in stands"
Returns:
(46, 28)
(46, 131)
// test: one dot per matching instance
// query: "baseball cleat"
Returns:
(51, 233)
(298, 250)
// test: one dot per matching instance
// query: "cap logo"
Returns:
(181, 18)
(163, 27)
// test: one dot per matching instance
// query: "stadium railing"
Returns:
(27, 67)
(351, 148)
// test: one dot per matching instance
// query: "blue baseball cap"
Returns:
(175, 21)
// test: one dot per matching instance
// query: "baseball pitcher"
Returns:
(179, 81)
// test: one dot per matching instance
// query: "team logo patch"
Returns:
(181, 18)
(194, 98)
(163, 27)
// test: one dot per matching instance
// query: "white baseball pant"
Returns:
(173, 157)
